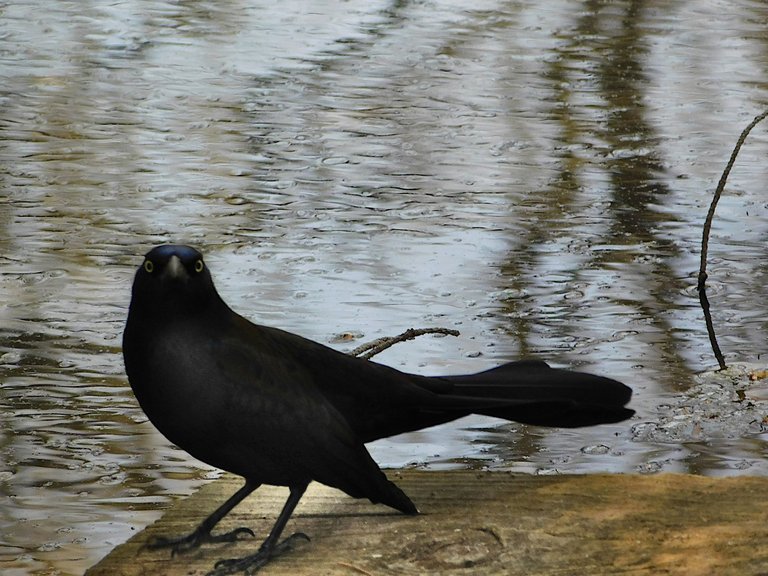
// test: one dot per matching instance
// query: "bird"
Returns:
(279, 409)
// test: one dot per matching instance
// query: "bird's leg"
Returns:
(270, 547)
(202, 533)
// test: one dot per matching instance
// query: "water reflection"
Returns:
(534, 175)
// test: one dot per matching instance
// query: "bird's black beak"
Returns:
(175, 270)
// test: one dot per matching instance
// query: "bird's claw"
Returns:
(249, 565)
(191, 541)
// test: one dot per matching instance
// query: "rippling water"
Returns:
(532, 174)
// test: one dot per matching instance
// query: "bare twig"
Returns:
(372, 348)
(705, 240)
(355, 568)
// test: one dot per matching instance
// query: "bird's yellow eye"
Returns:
(149, 266)
(199, 266)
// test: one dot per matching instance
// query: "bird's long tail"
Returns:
(534, 393)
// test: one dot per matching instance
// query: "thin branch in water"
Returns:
(370, 349)
(701, 284)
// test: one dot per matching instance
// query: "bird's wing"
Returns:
(287, 427)
(361, 397)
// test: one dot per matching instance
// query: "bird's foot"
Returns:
(251, 564)
(191, 541)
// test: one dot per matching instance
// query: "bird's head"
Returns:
(172, 279)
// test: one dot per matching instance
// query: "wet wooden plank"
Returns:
(488, 523)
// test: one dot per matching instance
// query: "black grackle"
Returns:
(276, 408)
